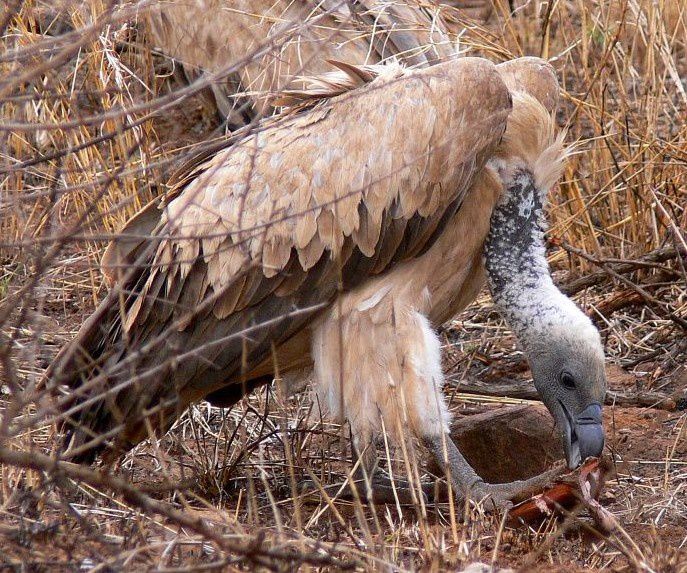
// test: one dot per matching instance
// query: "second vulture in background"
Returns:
(258, 47)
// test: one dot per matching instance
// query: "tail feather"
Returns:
(78, 380)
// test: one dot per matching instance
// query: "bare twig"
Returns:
(253, 550)
(525, 390)
(658, 306)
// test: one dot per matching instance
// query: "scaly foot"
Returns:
(502, 496)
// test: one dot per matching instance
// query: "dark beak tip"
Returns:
(585, 437)
(590, 431)
(591, 440)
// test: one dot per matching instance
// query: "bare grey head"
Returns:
(567, 363)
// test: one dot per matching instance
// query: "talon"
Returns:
(492, 497)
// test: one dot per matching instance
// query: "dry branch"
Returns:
(252, 549)
(649, 260)
(661, 308)
(525, 390)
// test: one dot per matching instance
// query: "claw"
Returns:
(493, 497)
(503, 496)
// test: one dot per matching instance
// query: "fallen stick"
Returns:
(661, 308)
(525, 390)
(620, 266)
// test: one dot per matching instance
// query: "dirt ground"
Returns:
(236, 474)
(51, 524)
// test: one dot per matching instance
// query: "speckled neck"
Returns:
(517, 270)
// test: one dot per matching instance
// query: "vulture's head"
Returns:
(567, 365)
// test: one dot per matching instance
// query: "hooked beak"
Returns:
(584, 435)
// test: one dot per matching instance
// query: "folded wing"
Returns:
(258, 239)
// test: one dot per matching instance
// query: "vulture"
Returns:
(264, 46)
(338, 236)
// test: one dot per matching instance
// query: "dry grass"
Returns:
(92, 125)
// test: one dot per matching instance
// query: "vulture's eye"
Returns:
(568, 380)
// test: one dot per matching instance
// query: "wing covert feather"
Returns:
(409, 146)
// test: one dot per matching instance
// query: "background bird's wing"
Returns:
(265, 233)
(412, 32)
(264, 45)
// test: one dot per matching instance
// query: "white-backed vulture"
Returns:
(262, 46)
(341, 233)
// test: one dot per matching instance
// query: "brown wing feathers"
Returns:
(260, 239)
